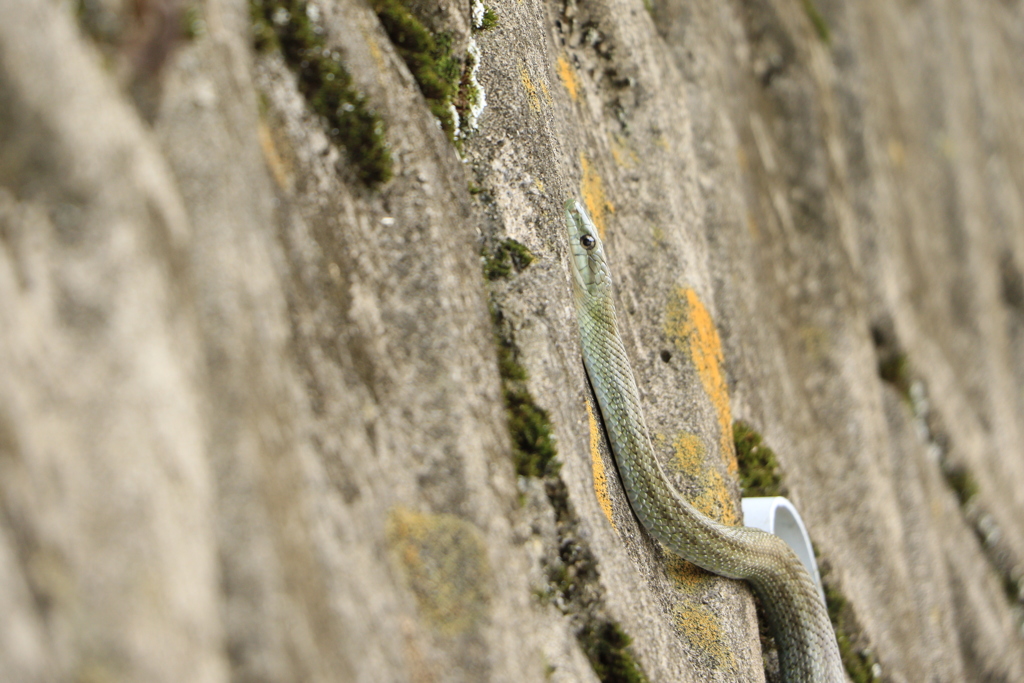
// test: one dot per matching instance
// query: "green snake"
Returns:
(796, 615)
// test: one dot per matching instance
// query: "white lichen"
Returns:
(456, 125)
(476, 95)
(478, 13)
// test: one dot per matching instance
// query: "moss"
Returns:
(760, 476)
(193, 25)
(859, 663)
(574, 583)
(858, 660)
(817, 20)
(533, 447)
(573, 580)
(758, 467)
(895, 369)
(490, 20)
(962, 482)
(607, 647)
(325, 83)
(264, 37)
(428, 56)
(508, 256)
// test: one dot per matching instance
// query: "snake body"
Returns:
(797, 617)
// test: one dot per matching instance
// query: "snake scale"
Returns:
(796, 615)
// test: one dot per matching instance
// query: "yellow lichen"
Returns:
(568, 76)
(742, 160)
(547, 93)
(815, 341)
(687, 576)
(531, 90)
(897, 153)
(623, 154)
(378, 55)
(703, 630)
(752, 226)
(592, 189)
(278, 168)
(604, 499)
(689, 451)
(689, 326)
(444, 560)
(714, 499)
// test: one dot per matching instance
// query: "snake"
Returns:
(795, 612)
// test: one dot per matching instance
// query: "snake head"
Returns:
(589, 269)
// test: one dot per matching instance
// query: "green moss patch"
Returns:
(895, 369)
(963, 483)
(760, 476)
(574, 586)
(447, 80)
(573, 580)
(759, 469)
(325, 83)
(508, 257)
(533, 447)
(817, 20)
(490, 20)
(858, 660)
(607, 647)
(429, 57)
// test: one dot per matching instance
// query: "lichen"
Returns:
(758, 467)
(484, 18)
(444, 560)
(477, 11)
(292, 26)
(592, 190)
(571, 82)
(689, 326)
(471, 99)
(600, 473)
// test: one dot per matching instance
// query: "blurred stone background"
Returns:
(290, 385)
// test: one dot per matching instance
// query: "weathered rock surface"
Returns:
(254, 413)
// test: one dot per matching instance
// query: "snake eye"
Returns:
(587, 241)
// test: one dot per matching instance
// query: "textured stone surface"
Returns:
(251, 416)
